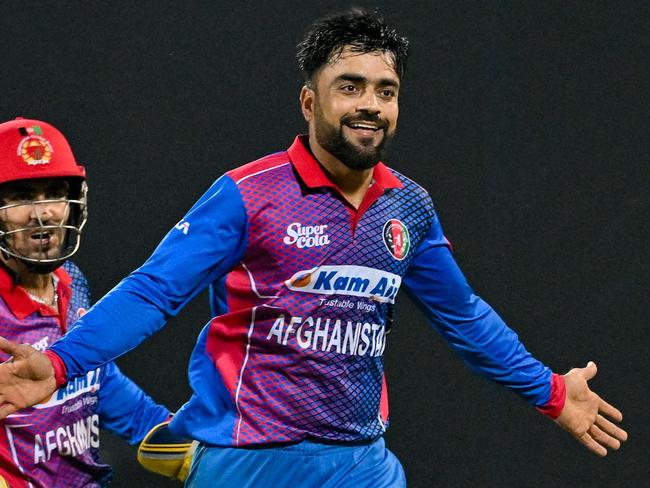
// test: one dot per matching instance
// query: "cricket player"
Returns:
(304, 252)
(43, 210)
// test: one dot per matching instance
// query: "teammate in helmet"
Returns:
(43, 197)
(40, 223)
(42, 214)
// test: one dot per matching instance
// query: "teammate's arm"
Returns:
(124, 408)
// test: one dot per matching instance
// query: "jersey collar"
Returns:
(313, 175)
(22, 306)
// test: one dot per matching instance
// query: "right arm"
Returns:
(204, 246)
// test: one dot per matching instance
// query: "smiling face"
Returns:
(351, 107)
(32, 217)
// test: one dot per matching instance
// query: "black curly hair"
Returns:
(359, 30)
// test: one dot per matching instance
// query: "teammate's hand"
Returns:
(26, 379)
(165, 453)
(586, 416)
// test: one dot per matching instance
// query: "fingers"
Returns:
(603, 435)
(6, 409)
(603, 438)
(610, 428)
(592, 445)
(609, 410)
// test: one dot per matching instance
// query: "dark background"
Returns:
(526, 121)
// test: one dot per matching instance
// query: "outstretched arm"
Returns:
(205, 247)
(479, 335)
(586, 416)
(26, 379)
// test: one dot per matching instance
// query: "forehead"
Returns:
(373, 66)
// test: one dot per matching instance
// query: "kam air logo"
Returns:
(358, 281)
(76, 387)
(34, 149)
(397, 239)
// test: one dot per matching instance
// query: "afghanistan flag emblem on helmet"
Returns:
(34, 149)
(397, 239)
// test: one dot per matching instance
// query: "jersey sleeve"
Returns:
(470, 326)
(124, 408)
(201, 248)
(79, 285)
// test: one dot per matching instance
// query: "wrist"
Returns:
(555, 404)
(59, 369)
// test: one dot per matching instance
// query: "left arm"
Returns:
(470, 326)
(475, 331)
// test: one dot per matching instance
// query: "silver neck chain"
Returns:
(54, 303)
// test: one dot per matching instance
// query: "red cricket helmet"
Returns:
(33, 149)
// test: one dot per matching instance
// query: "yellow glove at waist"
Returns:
(165, 453)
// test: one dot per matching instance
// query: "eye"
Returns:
(349, 88)
(21, 197)
(57, 195)
(387, 93)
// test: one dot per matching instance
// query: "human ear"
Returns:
(307, 102)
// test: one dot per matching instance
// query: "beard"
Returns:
(357, 157)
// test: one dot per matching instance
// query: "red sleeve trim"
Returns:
(555, 404)
(60, 371)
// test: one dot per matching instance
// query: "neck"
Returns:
(353, 184)
(37, 283)
(28, 279)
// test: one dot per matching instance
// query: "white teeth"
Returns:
(361, 126)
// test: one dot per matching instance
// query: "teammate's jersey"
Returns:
(56, 443)
(302, 289)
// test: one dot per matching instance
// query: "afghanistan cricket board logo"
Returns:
(396, 238)
(35, 149)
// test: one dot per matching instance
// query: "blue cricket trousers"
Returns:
(303, 465)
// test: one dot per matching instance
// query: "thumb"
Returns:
(590, 370)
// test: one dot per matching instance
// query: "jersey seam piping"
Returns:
(260, 172)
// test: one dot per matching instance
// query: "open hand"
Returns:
(587, 417)
(25, 379)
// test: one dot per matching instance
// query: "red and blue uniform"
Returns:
(56, 443)
(302, 290)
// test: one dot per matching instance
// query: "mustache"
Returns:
(371, 118)
(35, 224)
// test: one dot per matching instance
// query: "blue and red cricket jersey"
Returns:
(302, 291)
(56, 443)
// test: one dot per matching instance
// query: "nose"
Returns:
(44, 210)
(41, 211)
(368, 102)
